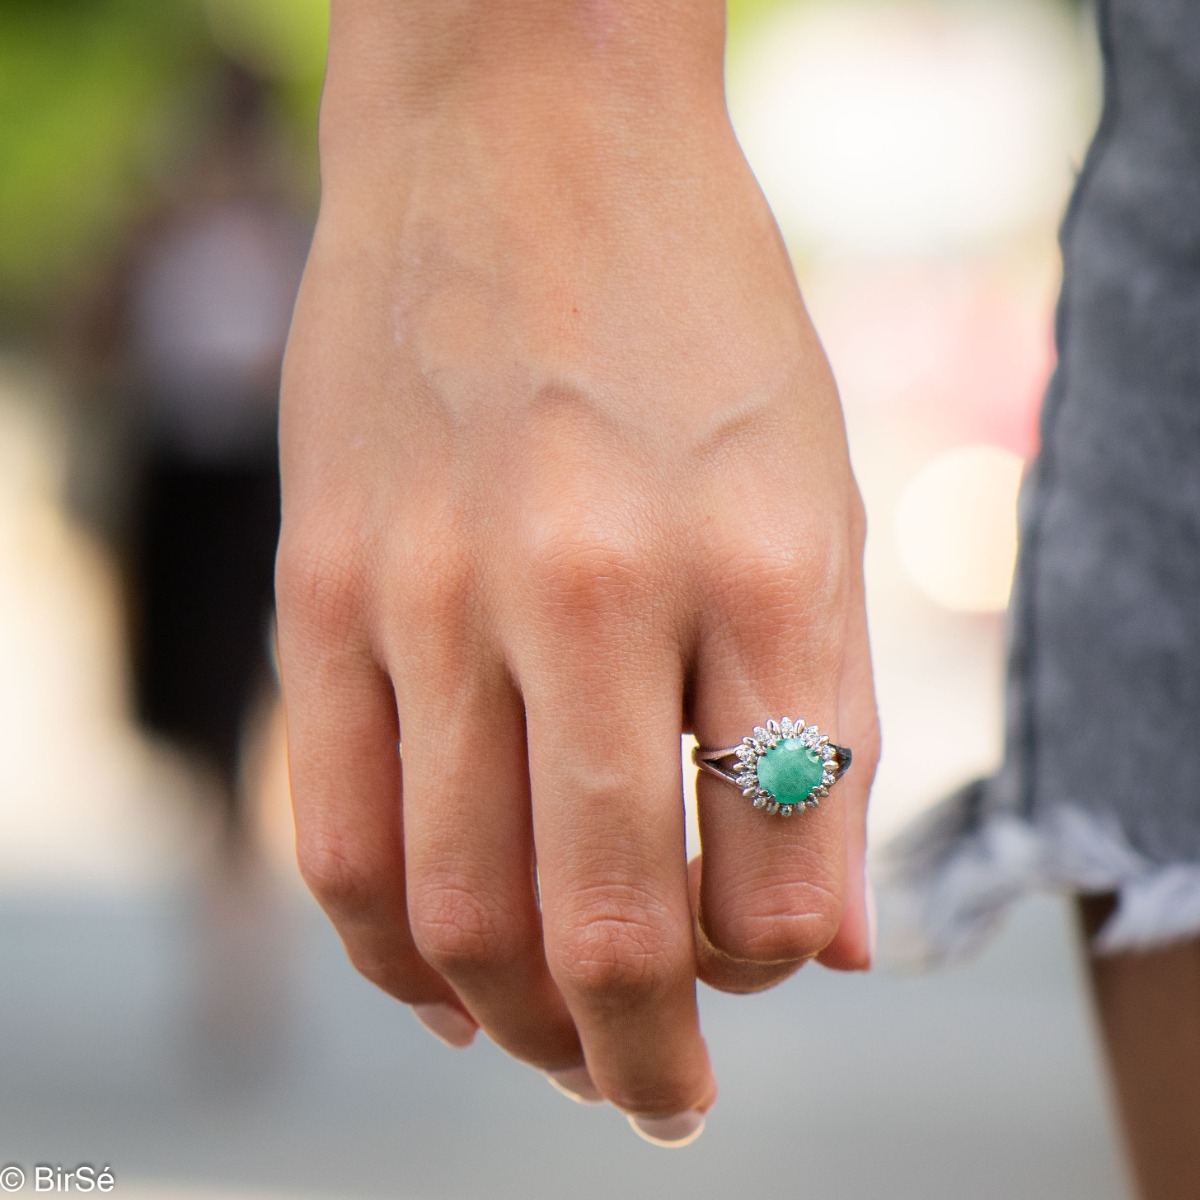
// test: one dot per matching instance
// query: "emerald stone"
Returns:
(789, 771)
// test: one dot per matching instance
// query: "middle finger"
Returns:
(604, 757)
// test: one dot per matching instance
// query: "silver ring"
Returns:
(783, 766)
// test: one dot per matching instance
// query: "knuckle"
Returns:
(359, 895)
(788, 928)
(390, 970)
(613, 960)
(858, 521)
(434, 580)
(867, 750)
(799, 585)
(576, 573)
(321, 590)
(461, 930)
(762, 597)
(342, 881)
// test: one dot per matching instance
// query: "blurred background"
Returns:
(172, 1005)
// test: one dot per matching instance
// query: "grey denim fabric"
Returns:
(1100, 785)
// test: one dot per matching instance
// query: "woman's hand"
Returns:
(564, 475)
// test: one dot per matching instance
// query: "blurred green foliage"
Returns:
(98, 97)
(742, 14)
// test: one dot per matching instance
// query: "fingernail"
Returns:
(446, 1024)
(679, 1129)
(576, 1083)
(872, 915)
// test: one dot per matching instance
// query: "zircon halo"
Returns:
(786, 766)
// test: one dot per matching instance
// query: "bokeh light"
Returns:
(884, 128)
(956, 527)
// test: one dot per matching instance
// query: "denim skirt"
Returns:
(1099, 788)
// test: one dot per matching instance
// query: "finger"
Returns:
(853, 947)
(770, 888)
(469, 845)
(345, 783)
(604, 729)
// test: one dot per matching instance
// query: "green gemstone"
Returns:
(790, 771)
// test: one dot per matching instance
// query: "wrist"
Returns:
(592, 78)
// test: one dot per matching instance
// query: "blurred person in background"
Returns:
(178, 357)
(184, 341)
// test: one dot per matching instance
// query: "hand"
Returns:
(564, 475)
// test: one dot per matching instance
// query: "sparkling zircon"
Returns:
(789, 771)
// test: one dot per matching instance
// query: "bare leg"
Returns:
(1149, 1010)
